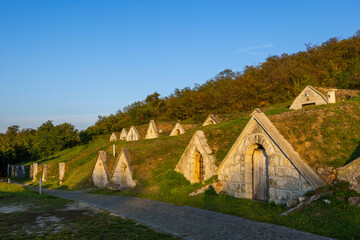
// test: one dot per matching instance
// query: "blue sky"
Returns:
(70, 61)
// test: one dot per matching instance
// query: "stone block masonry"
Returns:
(197, 163)
(61, 172)
(45, 173)
(34, 170)
(262, 165)
(351, 173)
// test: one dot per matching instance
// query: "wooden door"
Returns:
(260, 184)
(199, 167)
(123, 174)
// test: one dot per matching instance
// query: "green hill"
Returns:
(326, 135)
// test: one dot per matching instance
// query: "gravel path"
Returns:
(182, 221)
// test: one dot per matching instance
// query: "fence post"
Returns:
(40, 186)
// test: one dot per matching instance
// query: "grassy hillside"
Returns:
(327, 135)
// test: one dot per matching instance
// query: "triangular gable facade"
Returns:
(350, 173)
(113, 137)
(309, 96)
(100, 174)
(133, 134)
(122, 174)
(152, 131)
(197, 163)
(262, 165)
(211, 119)
(123, 134)
(256, 110)
(177, 130)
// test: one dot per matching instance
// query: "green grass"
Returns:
(327, 135)
(80, 223)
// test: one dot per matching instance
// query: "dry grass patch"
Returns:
(327, 135)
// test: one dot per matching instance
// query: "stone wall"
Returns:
(44, 172)
(309, 96)
(350, 173)
(187, 163)
(177, 130)
(123, 134)
(122, 175)
(152, 131)
(61, 172)
(100, 175)
(211, 119)
(284, 180)
(113, 137)
(133, 134)
(18, 171)
(34, 170)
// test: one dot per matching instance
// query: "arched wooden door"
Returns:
(123, 168)
(260, 175)
(199, 167)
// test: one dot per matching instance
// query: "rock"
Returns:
(302, 198)
(218, 186)
(199, 191)
(351, 174)
(327, 201)
(291, 203)
(354, 201)
(320, 170)
(330, 178)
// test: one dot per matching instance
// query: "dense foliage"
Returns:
(24, 145)
(333, 64)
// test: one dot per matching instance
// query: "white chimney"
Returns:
(331, 96)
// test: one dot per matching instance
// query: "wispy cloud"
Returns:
(250, 50)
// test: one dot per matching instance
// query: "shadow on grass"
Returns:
(63, 188)
(47, 159)
(354, 155)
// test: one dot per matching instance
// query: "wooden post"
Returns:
(9, 181)
(114, 150)
(40, 186)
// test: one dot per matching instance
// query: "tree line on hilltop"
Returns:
(17, 146)
(335, 64)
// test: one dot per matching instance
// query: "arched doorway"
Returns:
(123, 168)
(177, 132)
(260, 174)
(199, 167)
